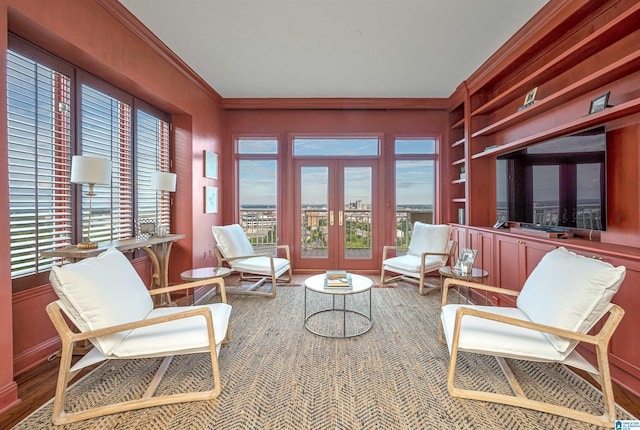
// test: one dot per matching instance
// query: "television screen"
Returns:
(555, 184)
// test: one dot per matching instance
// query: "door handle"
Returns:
(330, 217)
(340, 218)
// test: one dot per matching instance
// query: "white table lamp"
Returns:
(90, 170)
(163, 182)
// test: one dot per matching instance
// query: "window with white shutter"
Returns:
(39, 149)
(152, 154)
(46, 210)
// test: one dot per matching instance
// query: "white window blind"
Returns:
(152, 154)
(105, 131)
(39, 147)
(46, 210)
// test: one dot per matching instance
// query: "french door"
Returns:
(335, 206)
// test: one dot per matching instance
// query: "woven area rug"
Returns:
(278, 375)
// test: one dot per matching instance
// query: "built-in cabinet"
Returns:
(570, 53)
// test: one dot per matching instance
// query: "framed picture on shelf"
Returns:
(210, 165)
(599, 103)
(465, 260)
(145, 228)
(211, 200)
(531, 96)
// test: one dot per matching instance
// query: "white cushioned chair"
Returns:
(110, 306)
(234, 248)
(429, 249)
(561, 301)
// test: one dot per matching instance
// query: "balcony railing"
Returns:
(260, 225)
(588, 216)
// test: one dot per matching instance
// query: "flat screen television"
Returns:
(555, 184)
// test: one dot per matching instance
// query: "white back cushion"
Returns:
(232, 241)
(100, 292)
(429, 238)
(569, 291)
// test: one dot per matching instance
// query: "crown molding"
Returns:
(124, 16)
(336, 103)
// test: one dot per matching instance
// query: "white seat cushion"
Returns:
(262, 266)
(100, 292)
(493, 338)
(174, 336)
(232, 240)
(411, 264)
(569, 291)
(429, 238)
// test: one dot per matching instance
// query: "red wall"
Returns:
(88, 34)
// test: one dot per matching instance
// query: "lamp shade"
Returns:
(163, 181)
(90, 170)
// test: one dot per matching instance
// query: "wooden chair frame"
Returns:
(257, 278)
(599, 340)
(419, 280)
(70, 337)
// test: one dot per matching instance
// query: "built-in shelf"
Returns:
(627, 108)
(458, 143)
(459, 124)
(461, 200)
(458, 181)
(616, 29)
(608, 73)
(457, 162)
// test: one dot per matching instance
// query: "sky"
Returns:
(414, 178)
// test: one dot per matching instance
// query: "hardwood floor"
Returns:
(37, 385)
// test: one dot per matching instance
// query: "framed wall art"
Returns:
(210, 165)
(211, 200)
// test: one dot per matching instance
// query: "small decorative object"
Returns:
(529, 99)
(465, 261)
(210, 165)
(599, 103)
(463, 173)
(531, 96)
(145, 228)
(90, 170)
(461, 216)
(211, 200)
(337, 279)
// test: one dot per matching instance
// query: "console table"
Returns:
(158, 249)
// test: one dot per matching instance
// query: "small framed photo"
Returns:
(465, 260)
(211, 200)
(210, 165)
(145, 228)
(599, 103)
(531, 96)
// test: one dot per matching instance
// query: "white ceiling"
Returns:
(334, 48)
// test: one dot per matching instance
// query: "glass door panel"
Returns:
(356, 219)
(314, 212)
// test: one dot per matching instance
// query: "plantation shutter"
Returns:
(39, 152)
(152, 152)
(105, 131)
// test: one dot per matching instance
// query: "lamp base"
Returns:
(87, 244)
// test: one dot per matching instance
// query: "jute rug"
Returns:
(277, 375)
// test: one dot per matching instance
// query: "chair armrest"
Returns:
(615, 311)
(385, 249)
(194, 284)
(453, 282)
(55, 313)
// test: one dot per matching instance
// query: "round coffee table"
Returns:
(359, 284)
(203, 273)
